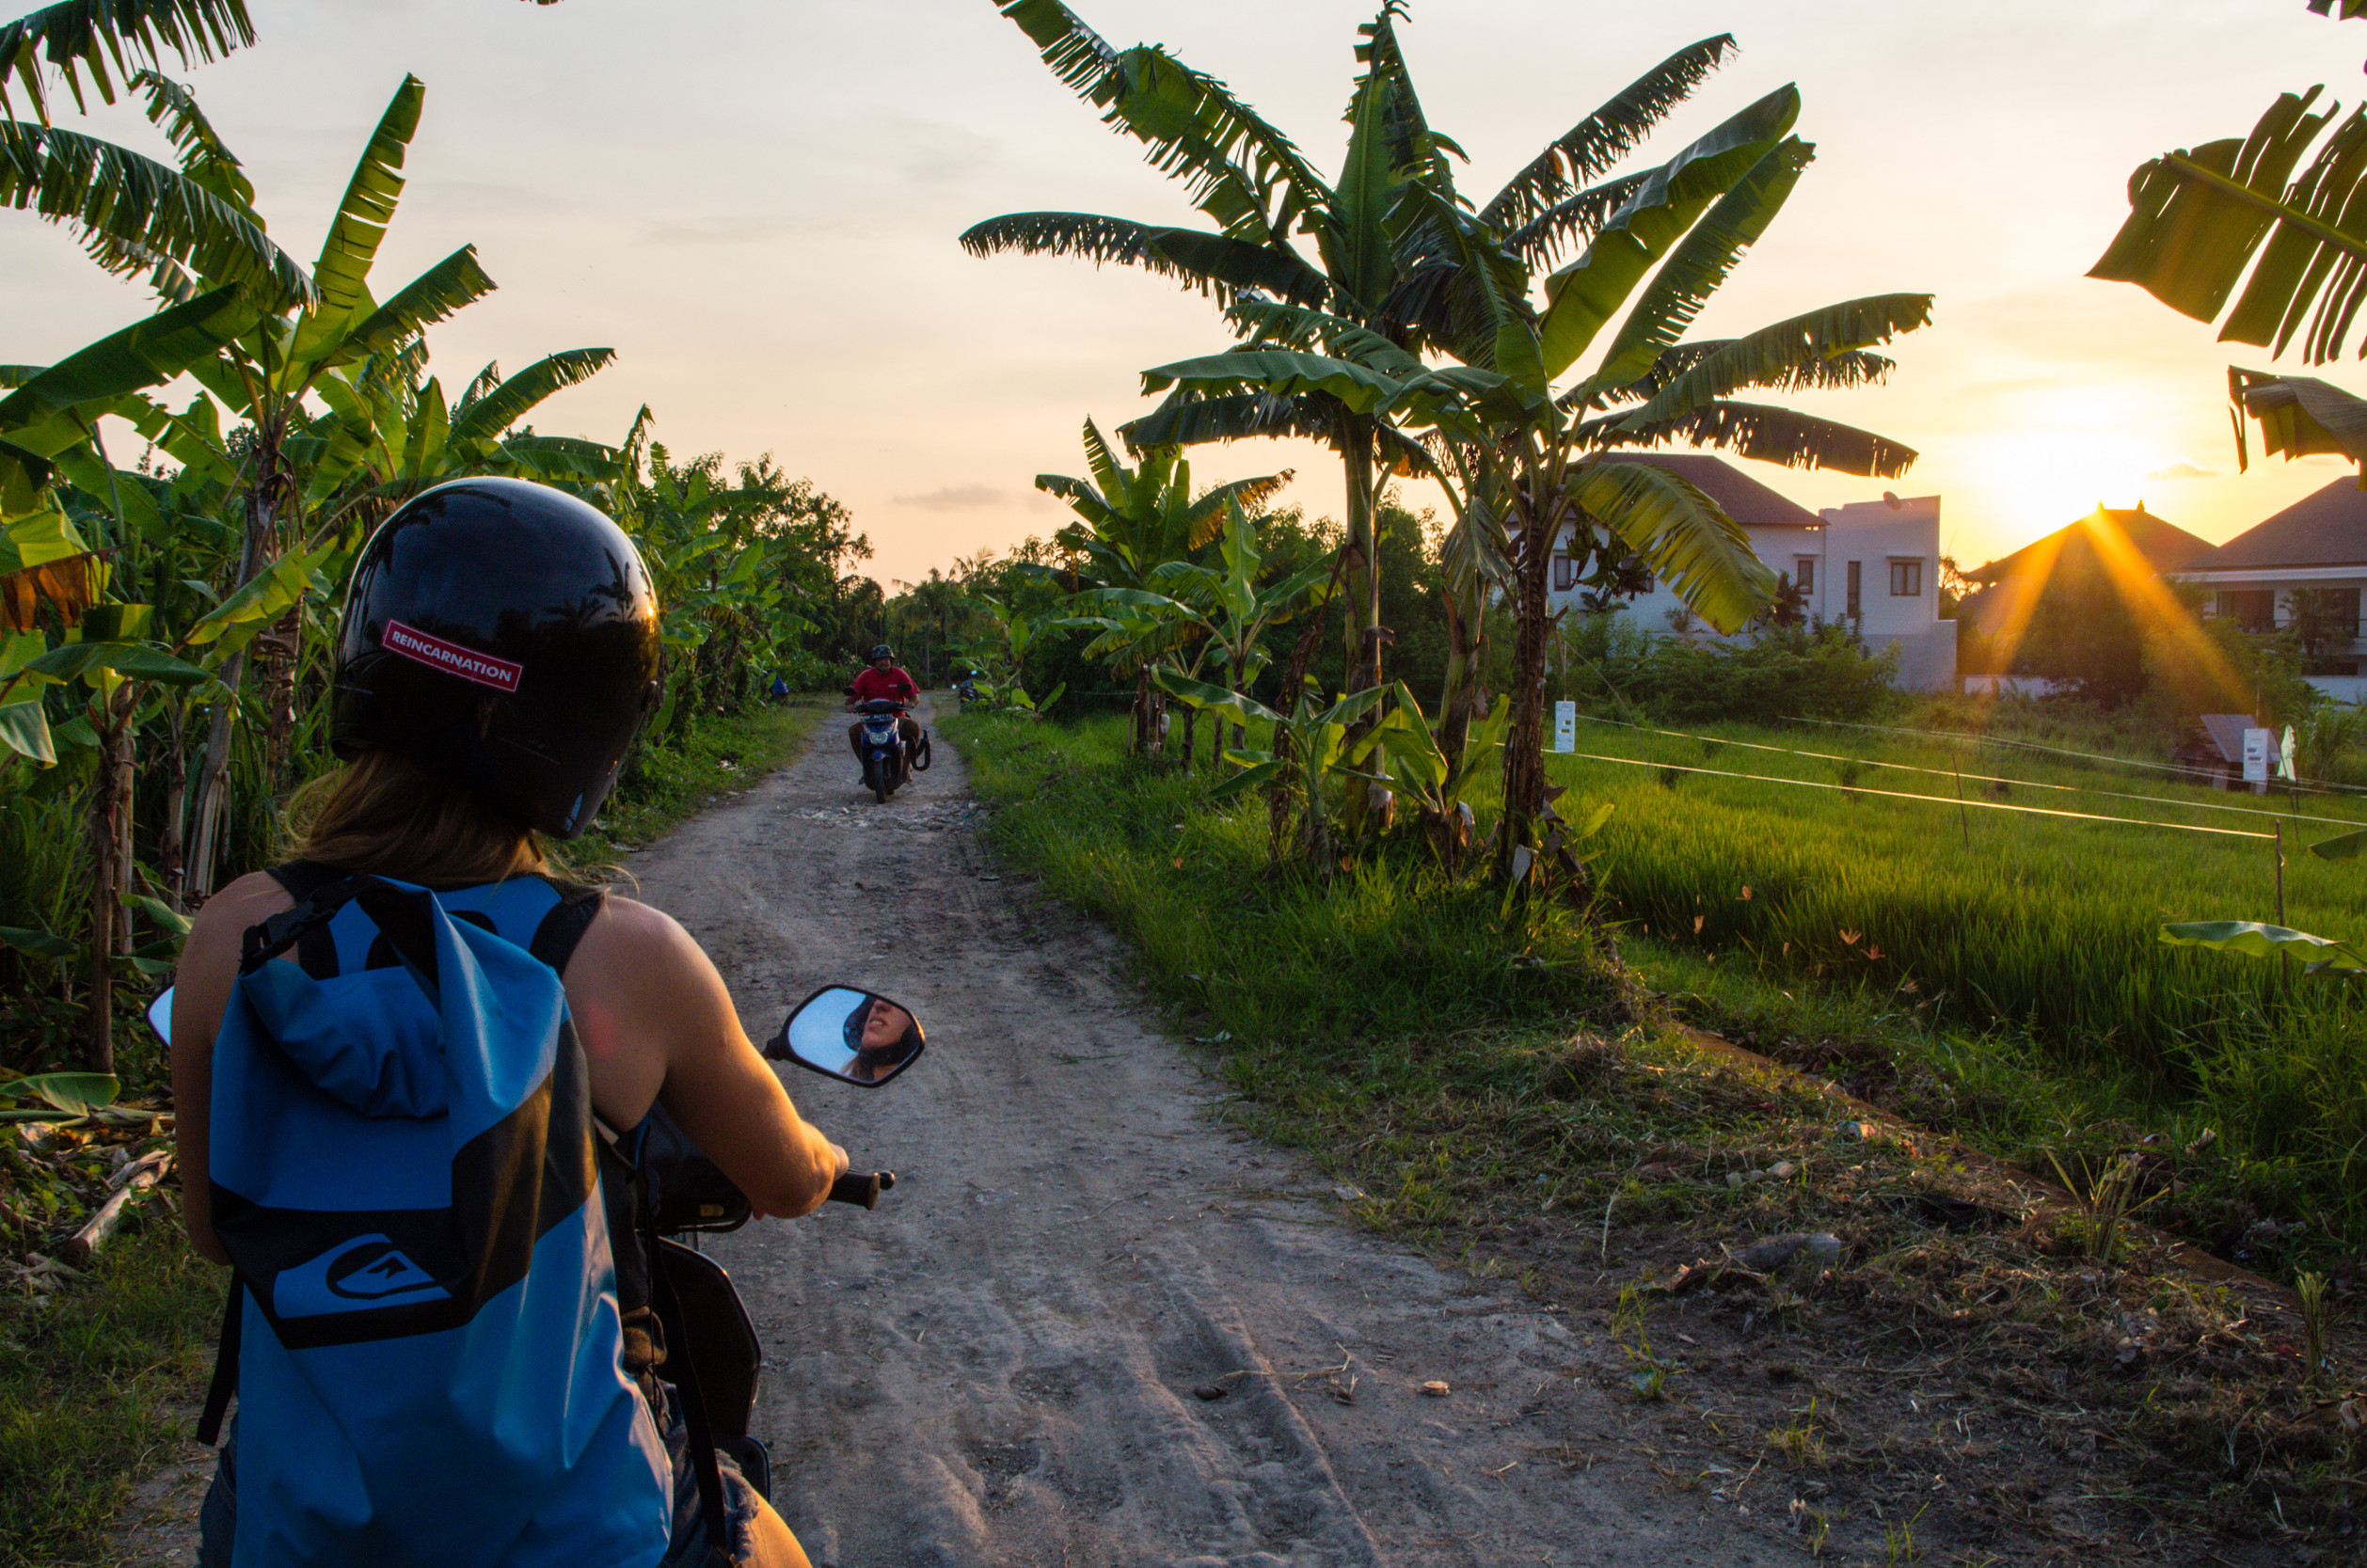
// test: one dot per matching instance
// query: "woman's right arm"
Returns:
(656, 1022)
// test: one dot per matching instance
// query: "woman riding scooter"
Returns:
(489, 677)
(884, 680)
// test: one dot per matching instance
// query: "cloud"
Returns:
(2187, 470)
(956, 497)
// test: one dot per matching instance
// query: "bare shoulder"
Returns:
(629, 932)
(224, 918)
(636, 956)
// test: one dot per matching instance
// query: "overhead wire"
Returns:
(1935, 799)
(1981, 778)
(2307, 787)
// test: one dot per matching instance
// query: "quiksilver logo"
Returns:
(364, 1270)
(451, 658)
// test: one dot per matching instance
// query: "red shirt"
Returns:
(874, 684)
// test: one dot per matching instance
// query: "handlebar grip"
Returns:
(864, 1189)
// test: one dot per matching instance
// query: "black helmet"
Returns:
(505, 635)
(878, 652)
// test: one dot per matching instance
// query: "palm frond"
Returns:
(2200, 220)
(1821, 348)
(1472, 302)
(1218, 266)
(1698, 550)
(91, 35)
(1191, 125)
(1837, 373)
(1702, 261)
(2299, 415)
(1588, 148)
(432, 297)
(1206, 516)
(509, 402)
(1272, 324)
(131, 212)
(1415, 145)
(204, 157)
(1766, 432)
(1545, 239)
(1582, 295)
(479, 385)
(367, 206)
(44, 413)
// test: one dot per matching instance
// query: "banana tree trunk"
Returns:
(1540, 514)
(1362, 584)
(108, 788)
(212, 806)
(1465, 607)
(168, 846)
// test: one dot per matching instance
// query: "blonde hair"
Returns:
(382, 813)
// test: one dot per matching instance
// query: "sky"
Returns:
(756, 202)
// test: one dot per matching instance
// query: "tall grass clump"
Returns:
(1388, 947)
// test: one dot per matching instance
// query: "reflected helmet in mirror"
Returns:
(502, 633)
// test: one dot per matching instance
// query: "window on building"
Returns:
(1906, 579)
(1804, 572)
(2253, 609)
(1564, 574)
(1855, 585)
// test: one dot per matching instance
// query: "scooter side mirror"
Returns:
(160, 1015)
(857, 1037)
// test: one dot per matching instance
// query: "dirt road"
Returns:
(1091, 1325)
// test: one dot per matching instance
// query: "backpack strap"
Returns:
(217, 1393)
(316, 950)
(702, 1431)
(555, 939)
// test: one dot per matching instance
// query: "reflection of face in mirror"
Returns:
(877, 1032)
(852, 1035)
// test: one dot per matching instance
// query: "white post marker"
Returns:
(2255, 756)
(1566, 726)
(2284, 755)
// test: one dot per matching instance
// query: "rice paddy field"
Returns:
(2025, 893)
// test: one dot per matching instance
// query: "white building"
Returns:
(1875, 564)
(2316, 546)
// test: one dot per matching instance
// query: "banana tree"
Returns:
(1305, 751)
(1133, 524)
(1525, 449)
(1372, 251)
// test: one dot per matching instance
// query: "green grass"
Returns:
(2040, 930)
(2013, 994)
(1447, 1047)
(87, 1384)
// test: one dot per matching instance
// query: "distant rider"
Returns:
(884, 678)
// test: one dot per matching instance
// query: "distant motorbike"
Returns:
(882, 743)
(966, 688)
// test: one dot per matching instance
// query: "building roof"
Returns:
(1740, 497)
(2226, 731)
(2071, 551)
(2325, 528)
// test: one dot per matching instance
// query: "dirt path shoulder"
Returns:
(1091, 1325)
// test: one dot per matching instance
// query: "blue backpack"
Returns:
(424, 1327)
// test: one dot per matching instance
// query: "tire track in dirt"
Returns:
(1006, 1363)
